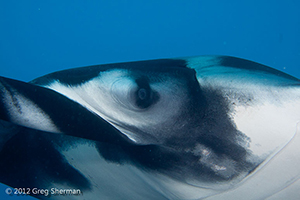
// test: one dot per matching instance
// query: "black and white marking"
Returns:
(189, 128)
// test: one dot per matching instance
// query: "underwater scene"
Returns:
(194, 99)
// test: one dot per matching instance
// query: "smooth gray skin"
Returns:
(212, 127)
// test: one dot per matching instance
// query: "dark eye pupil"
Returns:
(143, 97)
(142, 94)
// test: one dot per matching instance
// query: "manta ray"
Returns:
(205, 127)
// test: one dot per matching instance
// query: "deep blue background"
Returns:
(39, 37)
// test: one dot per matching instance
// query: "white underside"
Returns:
(277, 178)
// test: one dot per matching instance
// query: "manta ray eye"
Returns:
(144, 95)
(135, 94)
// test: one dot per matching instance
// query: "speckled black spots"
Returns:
(176, 163)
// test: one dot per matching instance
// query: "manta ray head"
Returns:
(163, 104)
(186, 128)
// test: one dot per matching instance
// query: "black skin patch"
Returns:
(31, 160)
(3, 110)
(81, 75)
(252, 66)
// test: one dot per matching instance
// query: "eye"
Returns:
(134, 94)
(144, 95)
(143, 98)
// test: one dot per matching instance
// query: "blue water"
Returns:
(39, 37)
